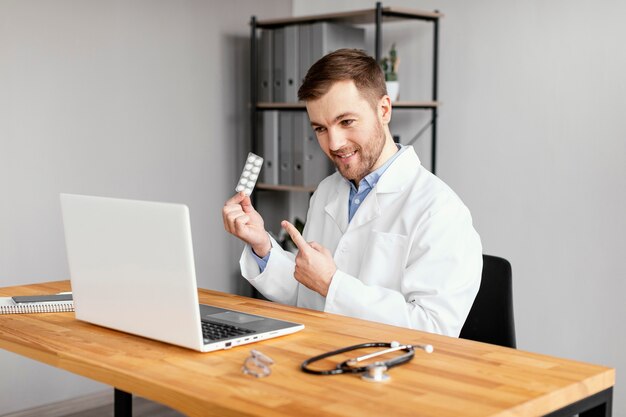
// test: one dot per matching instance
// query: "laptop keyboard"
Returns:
(213, 331)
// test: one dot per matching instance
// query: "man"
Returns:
(385, 240)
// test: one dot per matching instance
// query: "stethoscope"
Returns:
(374, 372)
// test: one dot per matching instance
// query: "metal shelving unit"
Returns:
(376, 16)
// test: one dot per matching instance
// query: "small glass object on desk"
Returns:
(257, 364)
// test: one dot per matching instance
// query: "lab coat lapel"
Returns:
(393, 180)
(337, 208)
(369, 210)
(400, 173)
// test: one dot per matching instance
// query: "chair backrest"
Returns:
(491, 318)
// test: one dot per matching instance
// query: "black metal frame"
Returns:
(596, 405)
(253, 86)
(122, 403)
(380, 13)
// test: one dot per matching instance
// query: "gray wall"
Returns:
(533, 138)
(134, 99)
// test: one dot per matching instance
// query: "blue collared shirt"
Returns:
(357, 195)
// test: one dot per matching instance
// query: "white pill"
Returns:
(258, 162)
(248, 190)
(253, 177)
(251, 159)
(243, 181)
(256, 170)
(239, 188)
(248, 167)
(246, 174)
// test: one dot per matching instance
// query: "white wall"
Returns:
(135, 99)
(533, 138)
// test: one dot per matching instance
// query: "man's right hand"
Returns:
(243, 221)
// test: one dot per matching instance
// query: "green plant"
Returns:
(390, 64)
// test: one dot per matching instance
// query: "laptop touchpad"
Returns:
(234, 317)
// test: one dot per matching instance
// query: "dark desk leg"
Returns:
(122, 404)
(604, 409)
(598, 405)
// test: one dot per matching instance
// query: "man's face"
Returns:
(348, 129)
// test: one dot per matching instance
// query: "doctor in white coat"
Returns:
(384, 240)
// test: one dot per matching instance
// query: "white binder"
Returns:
(266, 56)
(285, 140)
(269, 147)
(291, 64)
(310, 163)
(327, 37)
(278, 62)
(305, 54)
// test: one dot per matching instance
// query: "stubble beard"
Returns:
(368, 156)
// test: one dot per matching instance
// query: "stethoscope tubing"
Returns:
(344, 367)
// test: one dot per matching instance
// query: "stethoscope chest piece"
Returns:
(376, 373)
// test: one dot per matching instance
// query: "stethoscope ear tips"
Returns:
(376, 373)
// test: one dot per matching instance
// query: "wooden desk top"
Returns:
(460, 378)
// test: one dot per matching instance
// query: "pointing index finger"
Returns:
(295, 235)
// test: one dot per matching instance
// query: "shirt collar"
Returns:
(371, 179)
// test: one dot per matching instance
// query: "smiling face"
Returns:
(353, 134)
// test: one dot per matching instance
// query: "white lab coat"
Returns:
(410, 256)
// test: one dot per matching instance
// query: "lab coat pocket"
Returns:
(384, 260)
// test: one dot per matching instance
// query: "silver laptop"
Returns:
(132, 269)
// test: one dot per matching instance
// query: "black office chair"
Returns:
(491, 318)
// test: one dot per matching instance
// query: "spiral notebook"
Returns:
(8, 305)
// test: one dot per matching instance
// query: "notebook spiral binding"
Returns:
(58, 307)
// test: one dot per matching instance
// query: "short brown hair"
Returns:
(342, 65)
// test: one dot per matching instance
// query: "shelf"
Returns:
(354, 17)
(280, 106)
(301, 106)
(415, 104)
(262, 186)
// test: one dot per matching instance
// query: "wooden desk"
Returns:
(460, 378)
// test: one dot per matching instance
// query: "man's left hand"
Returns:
(315, 266)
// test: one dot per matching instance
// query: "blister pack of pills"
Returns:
(250, 174)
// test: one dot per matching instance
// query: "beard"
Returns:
(367, 155)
